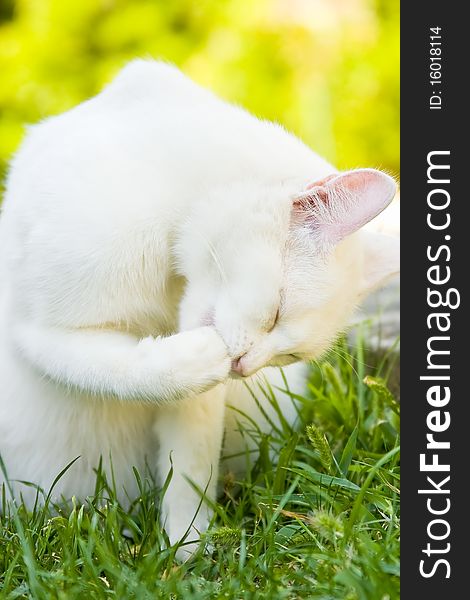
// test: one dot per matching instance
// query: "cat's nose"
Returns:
(237, 367)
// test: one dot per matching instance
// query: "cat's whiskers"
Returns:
(345, 356)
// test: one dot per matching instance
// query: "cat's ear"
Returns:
(340, 204)
(381, 259)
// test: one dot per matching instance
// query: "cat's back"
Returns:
(111, 159)
(127, 146)
(151, 136)
(148, 102)
(128, 119)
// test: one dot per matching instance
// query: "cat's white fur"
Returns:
(152, 239)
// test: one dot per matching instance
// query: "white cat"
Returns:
(157, 241)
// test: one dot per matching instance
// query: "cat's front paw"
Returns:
(205, 361)
(185, 532)
(186, 551)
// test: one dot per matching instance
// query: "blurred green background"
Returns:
(326, 69)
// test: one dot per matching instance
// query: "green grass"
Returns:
(320, 521)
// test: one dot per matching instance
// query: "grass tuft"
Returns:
(320, 443)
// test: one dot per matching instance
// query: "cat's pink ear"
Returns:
(340, 204)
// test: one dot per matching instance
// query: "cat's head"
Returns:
(279, 270)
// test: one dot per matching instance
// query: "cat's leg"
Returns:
(190, 440)
(110, 363)
(247, 418)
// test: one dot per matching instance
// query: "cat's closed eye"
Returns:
(274, 321)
